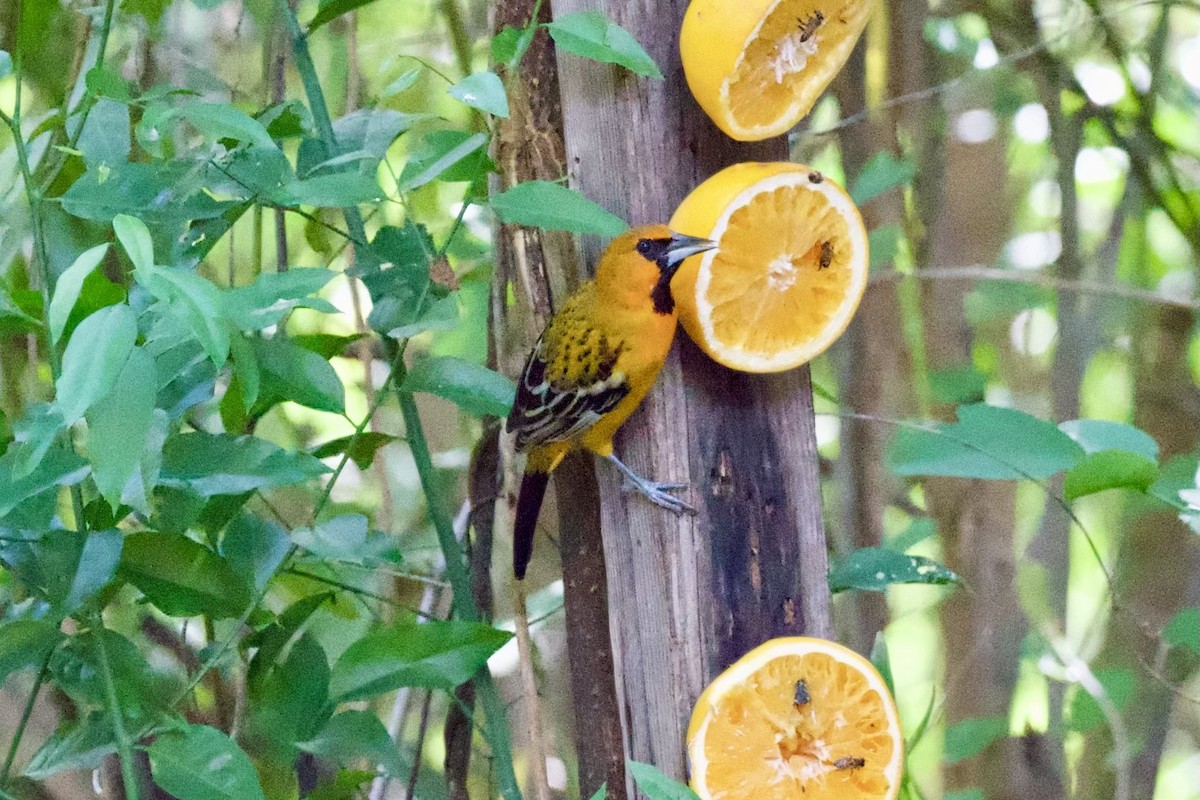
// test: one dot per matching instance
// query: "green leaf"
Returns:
(289, 372)
(288, 700)
(81, 744)
(329, 10)
(67, 568)
(198, 302)
(438, 655)
(273, 294)
(445, 155)
(337, 190)
(118, 425)
(105, 139)
(590, 34)
(34, 434)
(873, 569)
(971, 736)
(658, 786)
(201, 763)
(881, 174)
(601, 793)
(510, 44)
(986, 442)
(404, 81)
(134, 236)
(1109, 469)
(361, 450)
(273, 638)
(1183, 630)
(24, 643)
(182, 578)
(965, 794)
(6, 64)
(473, 387)
(1179, 475)
(68, 286)
(1097, 435)
(255, 548)
(143, 693)
(339, 539)
(94, 358)
(483, 91)
(352, 735)
(57, 468)
(543, 204)
(104, 82)
(882, 244)
(958, 385)
(220, 121)
(1119, 684)
(216, 464)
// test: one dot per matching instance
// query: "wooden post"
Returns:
(689, 595)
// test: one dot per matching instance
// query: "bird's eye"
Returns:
(644, 246)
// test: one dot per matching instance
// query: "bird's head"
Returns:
(640, 263)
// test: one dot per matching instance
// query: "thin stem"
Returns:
(33, 196)
(462, 602)
(129, 774)
(19, 733)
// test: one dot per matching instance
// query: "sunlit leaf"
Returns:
(1097, 435)
(592, 35)
(273, 294)
(338, 190)
(68, 286)
(656, 785)
(483, 91)
(986, 442)
(221, 121)
(1109, 469)
(118, 425)
(94, 358)
(543, 204)
(874, 569)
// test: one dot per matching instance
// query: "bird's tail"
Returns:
(529, 504)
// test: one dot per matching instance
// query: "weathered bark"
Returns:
(689, 595)
(542, 267)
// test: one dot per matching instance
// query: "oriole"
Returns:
(593, 364)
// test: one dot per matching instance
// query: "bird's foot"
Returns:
(655, 492)
(660, 495)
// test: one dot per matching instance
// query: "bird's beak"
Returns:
(684, 246)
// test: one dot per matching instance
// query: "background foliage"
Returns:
(246, 254)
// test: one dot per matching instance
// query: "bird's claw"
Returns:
(659, 494)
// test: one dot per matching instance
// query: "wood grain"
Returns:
(689, 595)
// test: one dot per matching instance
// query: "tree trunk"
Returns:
(689, 595)
(541, 267)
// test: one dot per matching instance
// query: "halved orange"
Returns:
(756, 67)
(797, 719)
(789, 271)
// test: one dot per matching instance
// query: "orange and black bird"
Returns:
(593, 364)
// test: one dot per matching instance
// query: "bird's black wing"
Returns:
(568, 383)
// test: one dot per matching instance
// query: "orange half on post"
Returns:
(797, 719)
(756, 67)
(788, 273)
